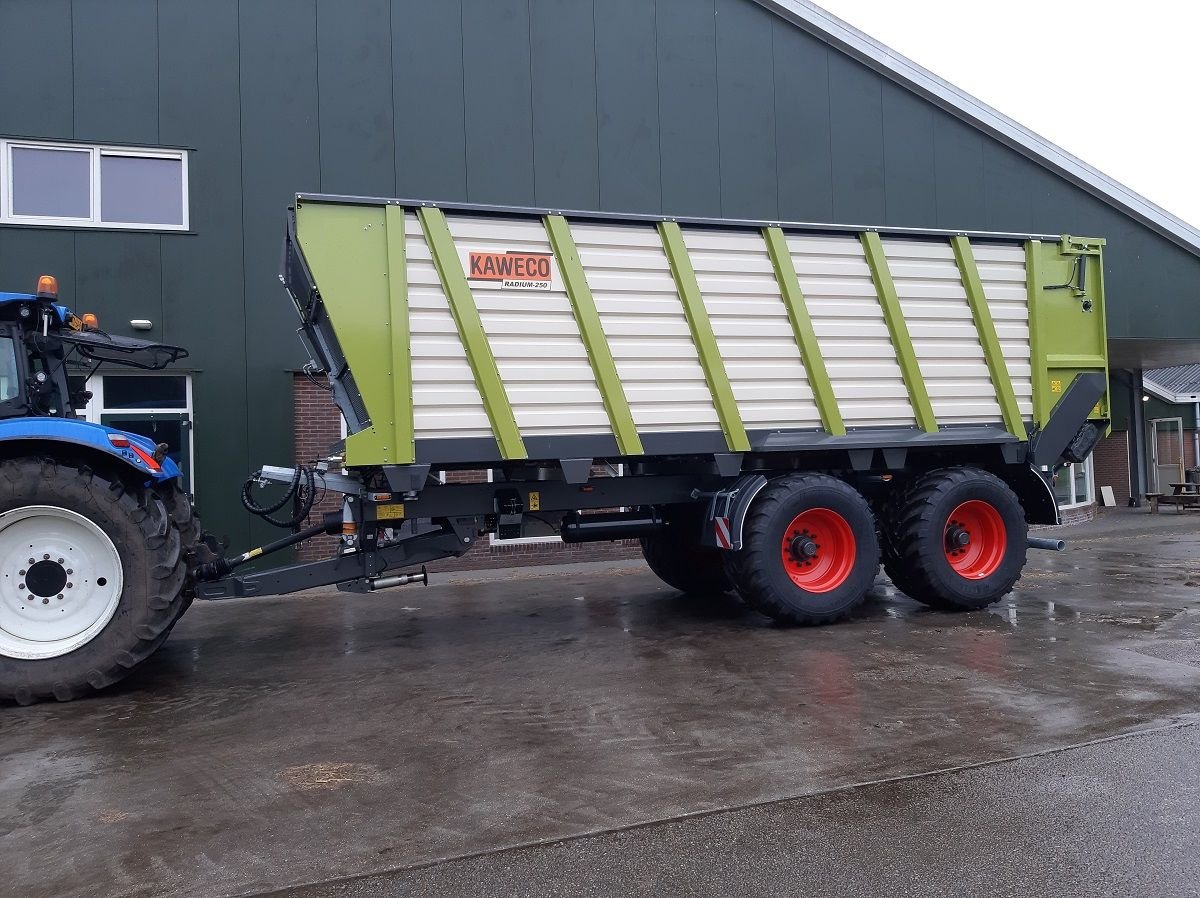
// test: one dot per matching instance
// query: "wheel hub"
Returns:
(975, 540)
(46, 578)
(957, 537)
(61, 581)
(818, 550)
(803, 548)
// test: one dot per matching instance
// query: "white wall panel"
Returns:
(934, 303)
(533, 334)
(446, 402)
(1002, 270)
(753, 331)
(643, 319)
(851, 330)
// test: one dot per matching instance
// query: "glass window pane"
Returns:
(141, 190)
(1062, 486)
(10, 382)
(1083, 482)
(53, 183)
(150, 391)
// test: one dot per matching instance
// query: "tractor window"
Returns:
(10, 381)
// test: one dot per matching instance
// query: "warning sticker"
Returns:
(513, 270)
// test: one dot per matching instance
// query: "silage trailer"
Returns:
(773, 409)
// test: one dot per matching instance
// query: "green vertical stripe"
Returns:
(901, 341)
(986, 328)
(470, 331)
(806, 336)
(703, 337)
(588, 319)
(1037, 361)
(401, 348)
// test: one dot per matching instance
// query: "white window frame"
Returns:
(96, 409)
(97, 152)
(1089, 495)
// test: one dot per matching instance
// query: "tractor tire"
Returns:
(103, 589)
(676, 556)
(957, 539)
(809, 550)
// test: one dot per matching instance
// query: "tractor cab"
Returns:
(47, 352)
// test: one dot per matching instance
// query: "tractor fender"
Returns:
(95, 437)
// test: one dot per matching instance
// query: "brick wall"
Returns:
(318, 426)
(1110, 462)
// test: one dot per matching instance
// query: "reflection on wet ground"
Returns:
(281, 741)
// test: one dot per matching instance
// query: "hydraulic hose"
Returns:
(301, 492)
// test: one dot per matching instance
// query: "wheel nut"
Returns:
(22, 573)
(32, 561)
(45, 557)
(45, 601)
(60, 595)
(31, 597)
(69, 571)
(70, 585)
(20, 586)
(60, 561)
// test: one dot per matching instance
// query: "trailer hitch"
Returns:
(330, 524)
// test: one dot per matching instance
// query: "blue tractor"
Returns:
(97, 535)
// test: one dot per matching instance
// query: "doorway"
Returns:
(1166, 452)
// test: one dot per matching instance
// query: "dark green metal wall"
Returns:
(699, 107)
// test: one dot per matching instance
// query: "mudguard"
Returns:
(91, 436)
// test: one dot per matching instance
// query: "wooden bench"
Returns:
(1181, 501)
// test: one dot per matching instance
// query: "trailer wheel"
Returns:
(809, 550)
(91, 579)
(957, 539)
(676, 556)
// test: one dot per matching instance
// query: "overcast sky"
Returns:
(1111, 81)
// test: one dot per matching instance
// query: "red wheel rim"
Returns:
(975, 540)
(818, 550)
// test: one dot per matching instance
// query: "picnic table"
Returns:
(1182, 496)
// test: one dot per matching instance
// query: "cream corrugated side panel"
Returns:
(532, 332)
(1002, 271)
(943, 331)
(851, 330)
(754, 334)
(446, 402)
(647, 331)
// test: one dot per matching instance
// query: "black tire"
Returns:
(761, 573)
(920, 523)
(150, 549)
(676, 556)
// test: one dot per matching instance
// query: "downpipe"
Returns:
(1050, 545)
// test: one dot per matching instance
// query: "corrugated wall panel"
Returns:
(853, 335)
(446, 402)
(750, 321)
(533, 326)
(647, 330)
(939, 320)
(1002, 271)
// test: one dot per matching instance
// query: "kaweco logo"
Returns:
(514, 270)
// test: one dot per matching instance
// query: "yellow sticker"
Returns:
(535, 501)
(389, 512)
(1056, 386)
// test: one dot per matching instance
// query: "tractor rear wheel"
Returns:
(809, 550)
(92, 576)
(957, 539)
(676, 556)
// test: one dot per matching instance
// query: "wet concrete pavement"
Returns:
(273, 743)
